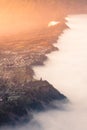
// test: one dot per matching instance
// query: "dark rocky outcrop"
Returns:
(17, 102)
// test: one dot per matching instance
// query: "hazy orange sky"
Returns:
(26, 15)
(20, 15)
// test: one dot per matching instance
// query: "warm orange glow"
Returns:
(52, 23)
(18, 16)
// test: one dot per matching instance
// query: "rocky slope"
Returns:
(19, 53)
(17, 103)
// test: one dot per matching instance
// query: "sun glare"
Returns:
(52, 23)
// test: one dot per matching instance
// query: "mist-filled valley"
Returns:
(29, 31)
(66, 70)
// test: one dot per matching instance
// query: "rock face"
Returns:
(18, 102)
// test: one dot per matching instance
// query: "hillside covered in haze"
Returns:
(28, 15)
(25, 39)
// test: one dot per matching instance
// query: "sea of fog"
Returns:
(66, 69)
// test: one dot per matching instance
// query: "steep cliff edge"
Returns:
(17, 103)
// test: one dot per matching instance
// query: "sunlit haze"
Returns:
(22, 15)
(52, 23)
(43, 64)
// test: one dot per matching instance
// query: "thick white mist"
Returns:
(67, 71)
